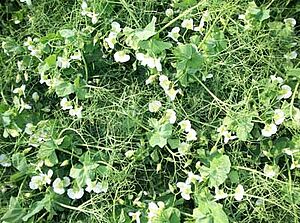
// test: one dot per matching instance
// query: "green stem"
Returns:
(186, 12)
(293, 99)
(211, 94)
(258, 172)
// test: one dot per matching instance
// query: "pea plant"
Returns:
(136, 111)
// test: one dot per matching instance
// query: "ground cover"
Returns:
(149, 111)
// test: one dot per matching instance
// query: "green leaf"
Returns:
(166, 130)
(103, 171)
(183, 52)
(36, 208)
(294, 73)
(174, 143)
(243, 130)
(79, 88)
(122, 217)
(234, 177)
(14, 213)
(218, 170)
(47, 152)
(157, 140)
(80, 175)
(66, 33)
(241, 123)
(184, 4)
(46, 203)
(147, 32)
(11, 47)
(154, 46)
(49, 37)
(64, 89)
(82, 172)
(154, 155)
(19, 162)
(51, 60)
(215, 42)
(209, 211)
(171, 215)
(188, 62)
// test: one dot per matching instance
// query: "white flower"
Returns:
(204, 18)
(205, 77)
(222, 130)
(193, 178)
(47, 177)
(220, 194)
(20, 65)
(290, 56)
(44, 79)
(242, 16)
(269, 130)
(205, 15)
(295, 164)
(278, 116)
(28, 42)
(93, 16)
(285, 92)
(151, 79)
(20, 104)
(116, 27)
(157, 64)
(59, 185)
(29, 128)
(169, 12)
(121, 57)
(65, 104)
(129, 153)
(228, 136)
(174, 34)
(149, 61)
(185, 125)
(63, 62)
(239, 193)
(28, 2)
(4, 161)
(155, 210)
(171, 93)
(37, 182)
(84, 7)
(35, 96)
(94, 186)
(76, 56)
(276, 79)
(140, 57)
(75, 193)
(76, 111)
(290, 21)
(185, 190)
(35, 52)
(192, 135)
(164, 82)
(188, 24)
(20, 90)
(171, 116)
(184, 148)
(271, 171)
(111, 40)
(135, 216)
(288, 151)
(154, 106)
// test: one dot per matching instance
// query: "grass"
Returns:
(115, 116)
